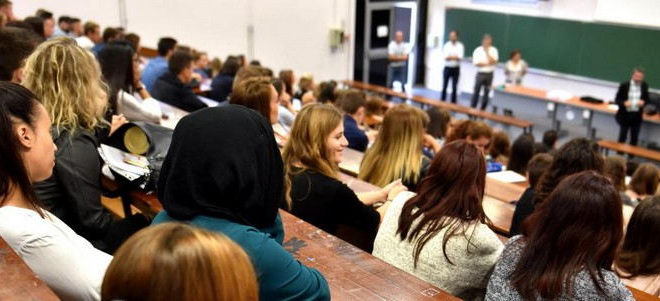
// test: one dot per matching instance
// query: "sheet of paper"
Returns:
(209, 102)
(115, 158)
(507, 176)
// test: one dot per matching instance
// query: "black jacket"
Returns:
(221, 87)
(73, 192)
(622, 115)
(169, 89)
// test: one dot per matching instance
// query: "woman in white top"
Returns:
(121, 70)
(515, 68)
(441, 235)
(68, 263)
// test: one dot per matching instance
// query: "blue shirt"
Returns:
(356, 137)
(154, 69)
(280, 276)
(97, 48)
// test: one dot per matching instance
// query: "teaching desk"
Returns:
(600, 117)
(18, 281)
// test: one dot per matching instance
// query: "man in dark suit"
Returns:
(631, 98)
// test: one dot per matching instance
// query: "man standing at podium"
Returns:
(397, 54)
(631, 97)
(485, 59)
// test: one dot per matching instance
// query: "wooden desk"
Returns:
(18, 281)
(351, 273)
(351, 160)
(507, 120)
(505, 192)
(630, 149)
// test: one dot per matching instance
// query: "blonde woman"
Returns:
(175, 261)
(315, 193)
(397, 152)
(67, 80)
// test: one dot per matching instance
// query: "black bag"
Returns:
(146, 139)
(591, 99)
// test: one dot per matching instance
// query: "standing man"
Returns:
(485, 58)
(397, 54)
(631, 98)
(453, 52)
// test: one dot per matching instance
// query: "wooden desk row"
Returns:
(527, 126)
(18, 281)
(629, 149)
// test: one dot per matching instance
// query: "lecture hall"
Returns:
(329, 150)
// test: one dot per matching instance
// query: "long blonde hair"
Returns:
(67, 80)
(397, 152)
(307, 144)
(175, 261)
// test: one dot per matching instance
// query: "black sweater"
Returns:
(328, 203)
(169, 89)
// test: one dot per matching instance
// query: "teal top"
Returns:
(280, 276)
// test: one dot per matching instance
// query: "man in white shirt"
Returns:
(397, 54)
(485, 58)
(453, 52)
(91, 36)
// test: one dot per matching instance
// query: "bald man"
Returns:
(397, 54)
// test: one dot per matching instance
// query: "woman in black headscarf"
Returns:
(224, 172)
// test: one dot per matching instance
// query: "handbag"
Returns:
(146, 139)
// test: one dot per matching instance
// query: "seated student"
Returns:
(222, 84)
(234, 186)
(249, 72)
(39, 27)
(441, 234)
(397, 152)
(311, 156)
(477, 133)
(522, 151)
(439, 121)
(172, 87)
(525, 205)
(158, 66)
(374, 111)
(200, 63)
(305, 93)
(175, 261)
(352, 103)
(16, 44)
(575, 156)
(500, 147)
(259, 94)
(615, 169)
(66, 262)
(63, 28)
(638, 259)
(91, 36)
(77, 108)
(567, 246)
(643, 183)
(119, 65)
(289, 80)
(325, 92)
(109, 34)
(285, 116)
(550, 139)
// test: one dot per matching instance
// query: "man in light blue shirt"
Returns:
(158, 65)
(62, 28)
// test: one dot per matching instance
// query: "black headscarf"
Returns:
(223, 162)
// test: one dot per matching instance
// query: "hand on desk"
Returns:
(393, 189)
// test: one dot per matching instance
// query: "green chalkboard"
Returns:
(597, 50)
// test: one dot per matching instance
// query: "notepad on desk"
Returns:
(507, 176)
